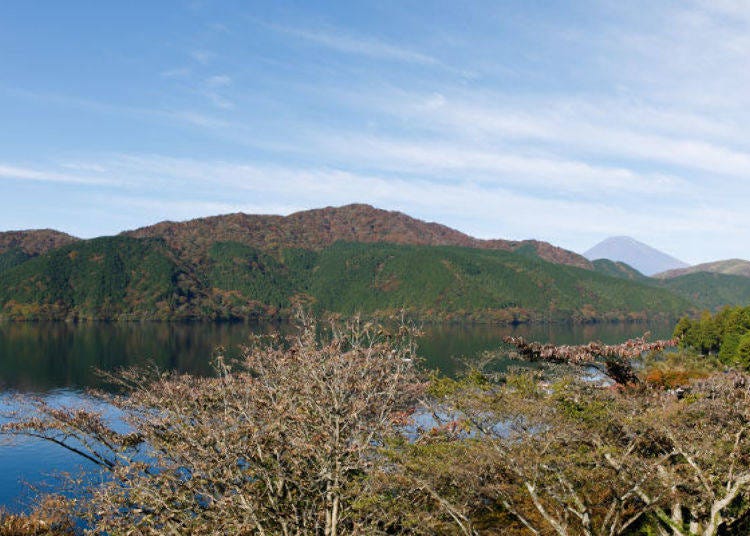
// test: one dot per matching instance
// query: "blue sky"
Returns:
(563, 121)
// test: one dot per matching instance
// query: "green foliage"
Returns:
(127, 278)
(618, 269)
(251, 273)
(447, 282)
(102, 278)
(726, 334)
(12, 258)
(743, 350)
(709, 290)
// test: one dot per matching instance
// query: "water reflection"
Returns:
(42, 357)
(39, 357)
(59, 360)
(444, 346)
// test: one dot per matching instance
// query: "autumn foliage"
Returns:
(334, 431)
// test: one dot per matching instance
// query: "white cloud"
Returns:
(600, 127)
(159, 187)
(358, 45)
(10, 172)
(218, 100)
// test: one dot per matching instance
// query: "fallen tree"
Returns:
(278, 442)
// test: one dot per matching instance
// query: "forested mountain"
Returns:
(352, 259)
(130, 278)
(319, 228)
(709, 290)
(16, 247)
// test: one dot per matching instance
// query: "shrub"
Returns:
(279, 442)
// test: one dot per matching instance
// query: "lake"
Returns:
(59, 361)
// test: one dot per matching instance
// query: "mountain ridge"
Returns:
(319, 228)
(739, 267)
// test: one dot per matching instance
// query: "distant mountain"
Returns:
(319, 228)
(642, 257)
(727, 267)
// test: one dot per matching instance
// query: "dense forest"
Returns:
(126, 278)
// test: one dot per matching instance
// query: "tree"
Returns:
(280, 442)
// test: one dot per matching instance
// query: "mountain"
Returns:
(640, 256)
(319, 228)
(727, 267)
(128, 278)
(342, 260)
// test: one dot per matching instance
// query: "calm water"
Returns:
(59, 361)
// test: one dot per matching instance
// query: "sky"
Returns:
(562, 121)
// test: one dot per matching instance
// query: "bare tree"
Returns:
(280, 442)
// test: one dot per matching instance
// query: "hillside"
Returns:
(129, 278)
(100, 279)
(711, 291)
(640, 256)
(320, 228)
(618, 269)
(727, 267)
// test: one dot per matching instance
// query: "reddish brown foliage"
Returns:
(316, 229)
(617, 358)
(34, 242)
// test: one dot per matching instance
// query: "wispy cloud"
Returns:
(341, 41)
(180, 116)
(159, 187)
(10, 172)
(214, 88)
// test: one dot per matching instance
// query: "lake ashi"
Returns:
(59, 361)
